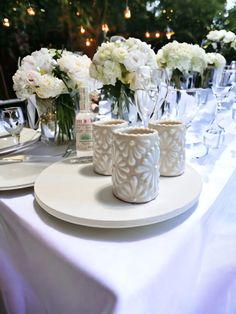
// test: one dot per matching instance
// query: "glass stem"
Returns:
(219, 105)
(17, 137)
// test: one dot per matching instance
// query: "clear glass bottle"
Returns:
(83, 125)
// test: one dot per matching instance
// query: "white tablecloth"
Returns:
(186, 265)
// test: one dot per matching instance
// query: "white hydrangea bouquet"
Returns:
(185, 63)
(118, 66)
(215, 60)
(54, 74)
(221, 41)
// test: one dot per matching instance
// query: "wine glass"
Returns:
(145, 101)
(150, 92)
(233, 80)
(221, 86)
(201, 123)
(13, 121)
(183, 104)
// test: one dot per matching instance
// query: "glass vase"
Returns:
(56, 119)
(119, 103)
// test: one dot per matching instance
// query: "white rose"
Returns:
(221, 34)
(216, 59)
(216, 35)
(77, 69)
(233, 44)
(43, 61)
(134, 60)
(49, 86)
(21, 86)
(104, 52)
(111, 72)
(229, 37)
(119, 54)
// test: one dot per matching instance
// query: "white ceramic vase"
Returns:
(102, 144)
(135, 157)
(172, 146)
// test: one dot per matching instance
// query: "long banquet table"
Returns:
(185, 265)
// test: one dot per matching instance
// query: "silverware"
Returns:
(28, 158)
(5, 135)
(34, 158)
(81, 160)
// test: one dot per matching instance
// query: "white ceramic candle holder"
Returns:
(102, 144)
(135, 156)
(172, 146)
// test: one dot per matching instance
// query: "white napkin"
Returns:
(2, 130)
(31, 112)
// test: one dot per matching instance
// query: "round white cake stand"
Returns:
(73, 192)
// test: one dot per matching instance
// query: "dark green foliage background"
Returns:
(59, 26)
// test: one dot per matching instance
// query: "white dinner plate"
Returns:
(3, 132)
(28, 136)
(20, 175)
(74, 193)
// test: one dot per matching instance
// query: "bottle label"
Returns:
(84, 134)
(84, 99)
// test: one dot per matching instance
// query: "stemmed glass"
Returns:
(183, 104)
(13, 121)
(185, 82)
(221, 86)
(145, 101)
(233, 80)
(150, 93)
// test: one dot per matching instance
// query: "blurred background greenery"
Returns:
(82, 25)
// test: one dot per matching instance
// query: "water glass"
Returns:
(13, 121)
(150, 92)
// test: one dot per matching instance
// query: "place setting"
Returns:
(13, 133)
(23, 155)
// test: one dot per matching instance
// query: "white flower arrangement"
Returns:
(120, 62)
(221, 41)
(122, 67)
(216, 60)
(222, 36)
(77, 69)
(185, 63)
(183, 57)
(56, 75)
(50, 73)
